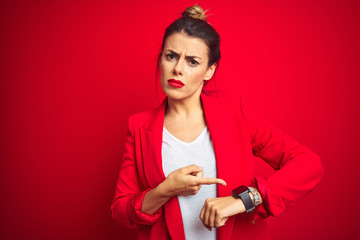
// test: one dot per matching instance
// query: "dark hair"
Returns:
(193, 23)
(200, 29)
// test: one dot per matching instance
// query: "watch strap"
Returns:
(249, 205)
(242, 192)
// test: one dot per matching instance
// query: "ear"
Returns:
(210, 72)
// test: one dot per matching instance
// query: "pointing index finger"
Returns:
(208, 181)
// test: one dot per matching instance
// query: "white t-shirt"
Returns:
(177, 154)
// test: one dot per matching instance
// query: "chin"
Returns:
(177, 96)
(173, 95)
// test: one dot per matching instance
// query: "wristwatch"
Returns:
(242, 192)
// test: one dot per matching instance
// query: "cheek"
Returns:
(164, 67)
(198, 76)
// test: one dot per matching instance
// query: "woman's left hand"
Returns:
(216, 211)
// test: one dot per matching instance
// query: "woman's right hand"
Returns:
(186, 181)
(183, 181)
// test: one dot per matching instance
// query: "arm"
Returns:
(126, 205)
(298, 171)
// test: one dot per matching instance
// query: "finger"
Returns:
(207, 213)
(199, 174)
(220, 220)
(212, 217)
(194, 189)
(202, 213)
(191, 169)
(202, 217)
(208, 181)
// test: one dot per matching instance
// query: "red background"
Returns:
(72, 72)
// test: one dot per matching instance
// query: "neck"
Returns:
(184, 108)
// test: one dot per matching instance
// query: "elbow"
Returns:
(115, 213)
(113, 210)
(120, 216)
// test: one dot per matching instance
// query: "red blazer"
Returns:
(237, 134)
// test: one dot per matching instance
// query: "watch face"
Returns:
(240, 190)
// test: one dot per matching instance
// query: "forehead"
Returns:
(184, 44)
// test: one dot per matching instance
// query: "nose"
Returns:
(179, 67)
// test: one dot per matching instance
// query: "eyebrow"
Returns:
(177, 55)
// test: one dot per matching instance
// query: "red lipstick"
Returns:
(176, 83)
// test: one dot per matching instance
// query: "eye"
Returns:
(170, 56)
(193, 62)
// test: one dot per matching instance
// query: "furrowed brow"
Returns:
(177, 55)
(173, 53)
(191, 57)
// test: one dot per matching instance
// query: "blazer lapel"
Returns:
(151, 140)
(151, 143)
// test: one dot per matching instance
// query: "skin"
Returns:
(184, 118)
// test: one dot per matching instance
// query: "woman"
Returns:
(188, 166)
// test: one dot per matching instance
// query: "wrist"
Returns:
(163, 190)
(255, 196)
(240, 204)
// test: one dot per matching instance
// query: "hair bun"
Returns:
(195, 12)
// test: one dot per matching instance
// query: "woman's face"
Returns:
(184, 66)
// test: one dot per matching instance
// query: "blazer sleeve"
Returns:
(298, 169)
(127, 202)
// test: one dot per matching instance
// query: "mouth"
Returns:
(176, 83)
